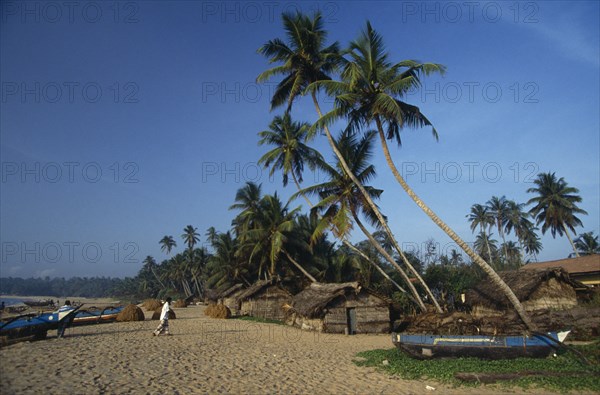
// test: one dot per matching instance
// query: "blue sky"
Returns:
(124, 122)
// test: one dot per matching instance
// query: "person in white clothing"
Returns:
(163, 327)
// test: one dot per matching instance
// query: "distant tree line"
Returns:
(85, 287)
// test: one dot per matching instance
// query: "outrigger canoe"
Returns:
(35, 326)
(426, 346)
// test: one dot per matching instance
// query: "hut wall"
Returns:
(372, 314)
(267, 304)
(553, 294)
(307, 324)
(232, 303)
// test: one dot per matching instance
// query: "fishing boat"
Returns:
(35, 326)
(97, 316)
(427, 346)
(39, 303)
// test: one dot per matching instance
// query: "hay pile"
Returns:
(179, 303)
(131, 313)
(151, 304)
(156, 314)
(217, 311)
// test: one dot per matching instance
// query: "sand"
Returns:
(204, 355)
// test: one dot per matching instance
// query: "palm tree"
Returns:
(481, 217)
(555, 206)
(167, 243)
(370, 92)
(531, 242)
(247, 200)
(290, 152)
(342, 202)
(150, 265)
(498, 207)
(587, 244)
(306, 60)
(190, 236)
(270, 237)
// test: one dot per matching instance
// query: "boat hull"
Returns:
(426, 346)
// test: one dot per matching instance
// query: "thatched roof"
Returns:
(580, 265)
(256, 288)
(314, 298)
(522, 282)
(230, 291)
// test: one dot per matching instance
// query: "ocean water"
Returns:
(10, 301)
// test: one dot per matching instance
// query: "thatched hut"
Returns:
(230, 296)
(536, 289)
(340, 308)
(264, 299)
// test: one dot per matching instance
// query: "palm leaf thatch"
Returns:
(528, 285)
(312, 301)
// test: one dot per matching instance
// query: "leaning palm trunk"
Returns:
(307, 274)
(387, 256)
(351, 247)
(570, 241)
(437, 220)
(372, 204)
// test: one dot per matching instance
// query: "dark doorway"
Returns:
(351, 320)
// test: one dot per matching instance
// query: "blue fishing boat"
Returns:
(427, 346)
(36, 326)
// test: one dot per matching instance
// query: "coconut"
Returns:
(131, 313)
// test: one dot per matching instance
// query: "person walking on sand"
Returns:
(163, 327)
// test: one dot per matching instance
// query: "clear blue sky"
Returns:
(122, 124)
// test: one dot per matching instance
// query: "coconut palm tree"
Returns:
(555, 206)
(343, 203)
(531, 242)
(306, 60)
(290, 152)
(150, 265)
(587, 244)
(247, 199)
(270, 237)
(498, 207)
(167, 243)
(481, 217)
(370, 92)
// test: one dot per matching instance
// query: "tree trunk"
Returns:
(370, 202)
(387, 256)
(570, 241)
(307, 274)
(487, 243)
(437, 220)
(157, 278)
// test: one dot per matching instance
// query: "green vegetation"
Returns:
(585, 378)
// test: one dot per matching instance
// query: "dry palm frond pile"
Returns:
(179, 303)
(131, 313)
(156, 314)
(151, 304)
(218, 311)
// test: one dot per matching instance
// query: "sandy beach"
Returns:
(204, 355)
